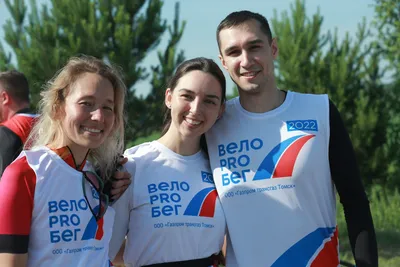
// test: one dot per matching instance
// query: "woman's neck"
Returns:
(181, 146)
(78, 153)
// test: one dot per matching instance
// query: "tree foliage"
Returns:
(122, 32)
(350, 71)
(387, 22)
(168, 60)
(360, 73)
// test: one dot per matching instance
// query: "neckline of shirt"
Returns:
(271, 113)
(173, 154)
(64, 159)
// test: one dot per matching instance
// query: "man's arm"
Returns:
(10, 147)
(116, 185)
(347, 180)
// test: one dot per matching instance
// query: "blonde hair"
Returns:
(48, 129)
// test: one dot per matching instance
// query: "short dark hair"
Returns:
(202, 64)
(237, 18)
(16, 84)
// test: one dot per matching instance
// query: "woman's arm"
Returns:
(13, 260)
(121, 223)
(122, 207)
(17, 189)
(119, 259)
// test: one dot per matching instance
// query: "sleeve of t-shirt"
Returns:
(122, 207)
(10, 148)
(17, 189)
(347, 179)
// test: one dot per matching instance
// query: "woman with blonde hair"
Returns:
(52, 207)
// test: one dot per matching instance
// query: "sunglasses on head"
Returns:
(98, 185)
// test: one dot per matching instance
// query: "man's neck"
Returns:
(12, 111)
(24, 110)
(263, 101)
(9, 114)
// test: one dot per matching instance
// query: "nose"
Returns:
(196, 106)
(98, 115)
(246, 60)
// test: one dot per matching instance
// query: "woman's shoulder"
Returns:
(19, 174)
(142, 151)
(42, 158)
(140, 155)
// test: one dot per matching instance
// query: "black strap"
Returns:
(206, 262)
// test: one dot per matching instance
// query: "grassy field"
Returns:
(385, 209)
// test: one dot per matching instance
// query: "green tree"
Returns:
(5, 60)
(387, 22)
(350, 72)
(234, 94)
(168, 61)
(387, 25)
(119, 31)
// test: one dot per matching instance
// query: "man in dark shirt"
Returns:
(15, 117)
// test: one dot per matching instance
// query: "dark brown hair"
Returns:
(238, 18)
(202, 64)
(16, 85)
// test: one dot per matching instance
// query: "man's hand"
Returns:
(120, 181)
(219, 259)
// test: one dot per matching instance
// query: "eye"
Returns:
(254, 47)
(233, 53)
(85, 103)
(187, 96)
(209, 101)
(108, 108)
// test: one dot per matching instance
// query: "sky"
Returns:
(203, 16)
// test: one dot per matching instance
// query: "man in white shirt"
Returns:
(277, 158)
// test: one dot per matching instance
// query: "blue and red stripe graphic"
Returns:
(280, 161)
(317, 249)
(94, 229)
(203, 203)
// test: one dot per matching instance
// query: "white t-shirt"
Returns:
(48, 207)
(273, 177)
(171, 211)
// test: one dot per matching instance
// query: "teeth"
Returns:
(92, 130)
(192, 121)
(249, 74)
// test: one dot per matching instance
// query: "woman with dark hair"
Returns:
(171, 214)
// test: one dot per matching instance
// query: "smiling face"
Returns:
(248, 56)
(195, 103)
(88, 113)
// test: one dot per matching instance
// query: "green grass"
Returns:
(142, 140)
(385, 209)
